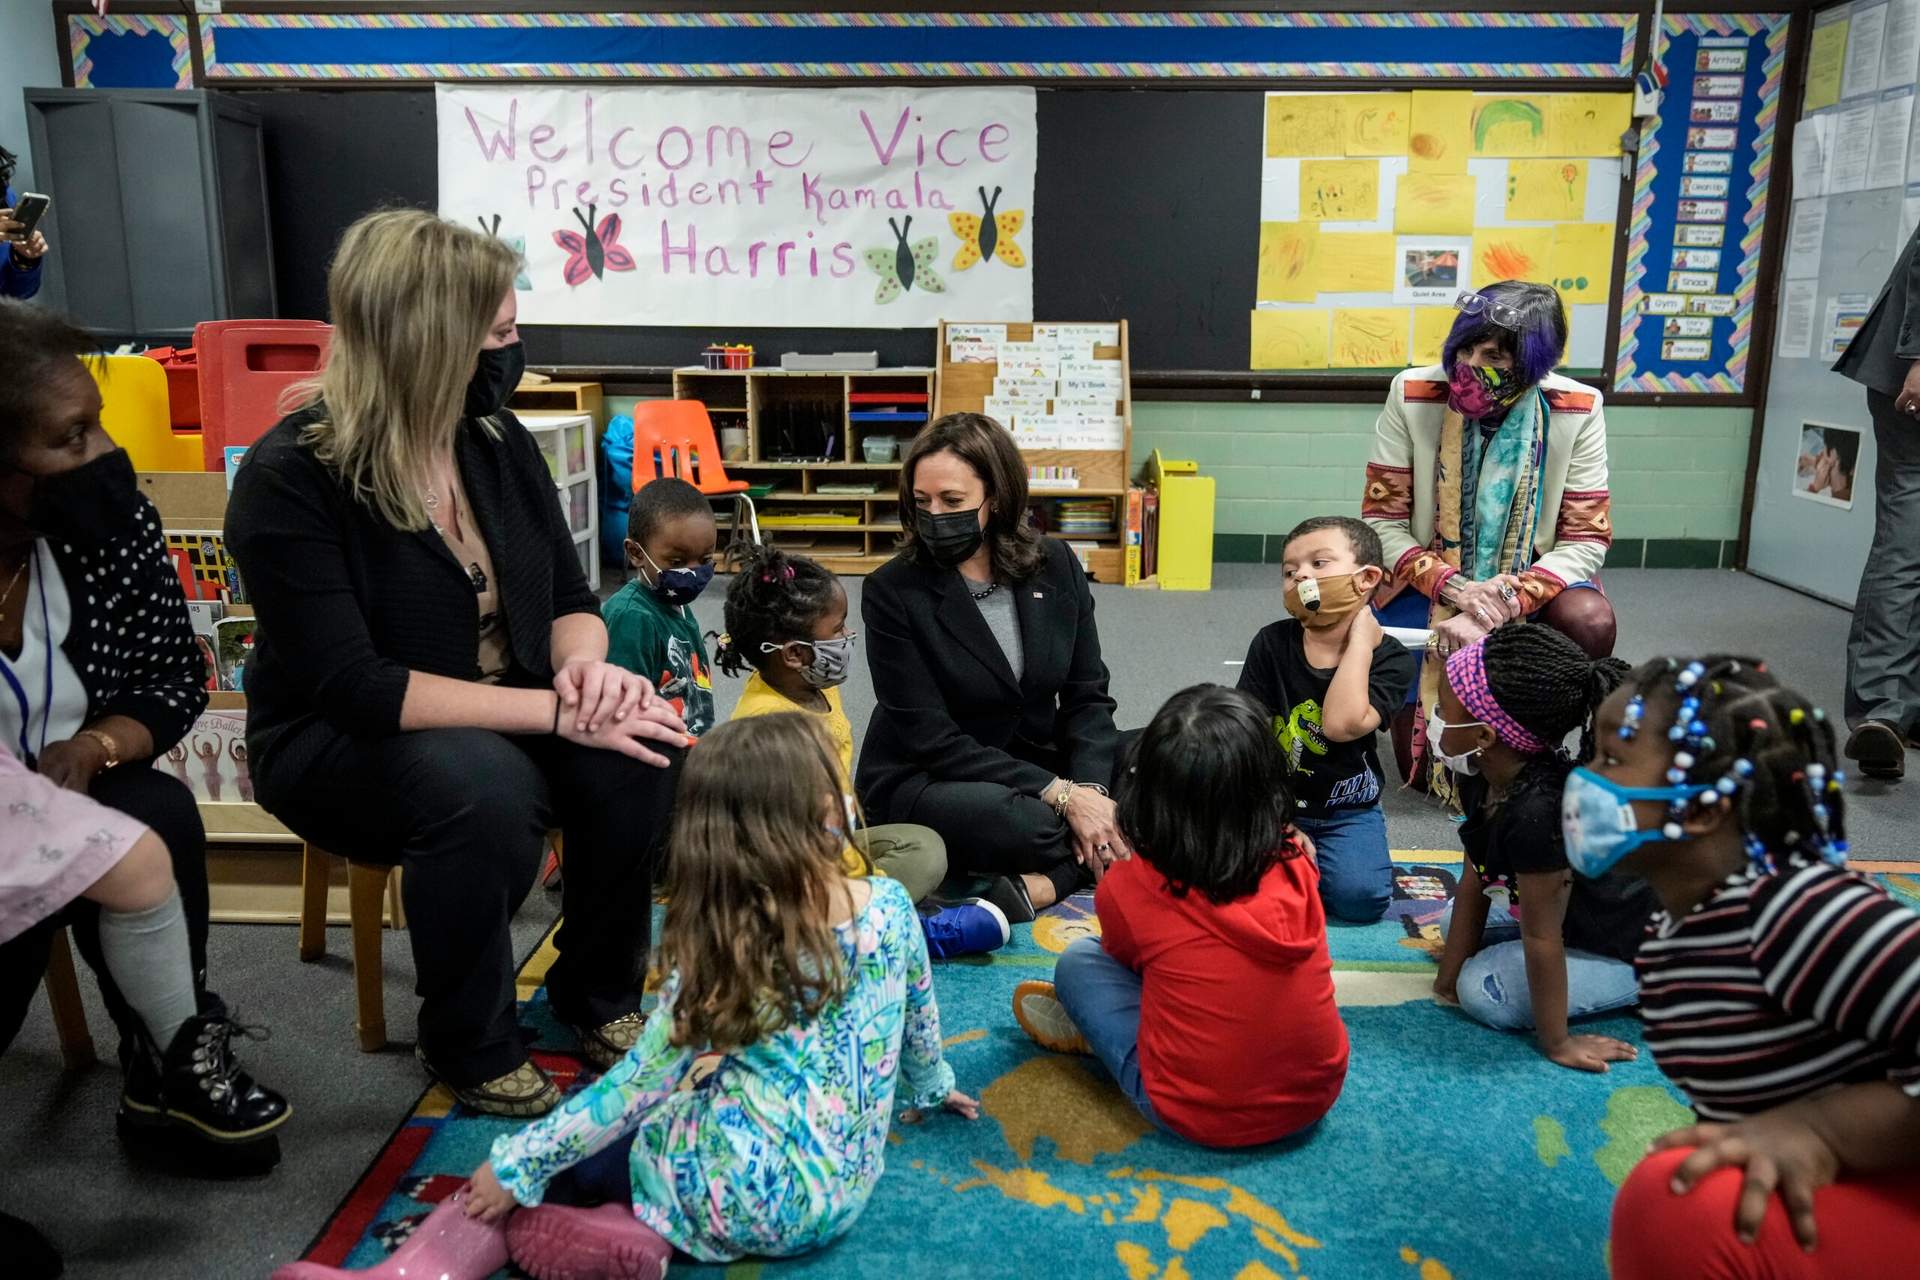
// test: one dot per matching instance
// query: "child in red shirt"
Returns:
(1209, 994)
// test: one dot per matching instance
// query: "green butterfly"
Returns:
(905, 265)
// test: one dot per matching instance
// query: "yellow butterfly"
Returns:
(989, 237)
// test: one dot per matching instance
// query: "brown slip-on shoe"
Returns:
(607, 1044)
(521, 1094)
(1879, 749)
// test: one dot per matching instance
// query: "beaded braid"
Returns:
(1547, 682)
(1742, 736)
(773, 599)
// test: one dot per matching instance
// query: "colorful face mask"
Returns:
(1598, 822)
(1476, 391)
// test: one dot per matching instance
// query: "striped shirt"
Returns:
(1779, 987)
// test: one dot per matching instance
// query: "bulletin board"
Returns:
(1699, 206)
(1378, 209)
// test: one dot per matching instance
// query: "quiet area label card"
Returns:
(869, 208)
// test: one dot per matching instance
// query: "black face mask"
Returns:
(951, 537)
(494, 379)
(91, 505)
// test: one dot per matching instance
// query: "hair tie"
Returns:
(789, 573)
(1757, 723)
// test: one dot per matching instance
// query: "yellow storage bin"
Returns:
(1186, 525)
(133, 409)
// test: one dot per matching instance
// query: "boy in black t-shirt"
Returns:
(1332, 678)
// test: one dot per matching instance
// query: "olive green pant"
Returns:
(915, 856)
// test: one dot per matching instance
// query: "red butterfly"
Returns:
(595, 253)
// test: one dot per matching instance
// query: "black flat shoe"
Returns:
(1879, 749)
(197, 1085)
(1009, 894)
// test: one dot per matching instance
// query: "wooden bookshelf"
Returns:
(964, 387)
(785, 415)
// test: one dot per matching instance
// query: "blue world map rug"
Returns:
(1454, 1151)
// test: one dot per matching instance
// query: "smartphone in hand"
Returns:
(32, 207)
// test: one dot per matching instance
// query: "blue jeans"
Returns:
(1356, 870)
(1493, 984)
(1102, 996)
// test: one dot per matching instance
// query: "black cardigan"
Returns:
(348, 605)
(948, 708)
(129, 637)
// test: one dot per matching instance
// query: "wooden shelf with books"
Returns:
(822, 451)
(1064, 389)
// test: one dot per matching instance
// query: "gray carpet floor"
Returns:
(117, 1213)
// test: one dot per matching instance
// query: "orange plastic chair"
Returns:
(675, 438)
(133, 409)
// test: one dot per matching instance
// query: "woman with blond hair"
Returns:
(429, 684)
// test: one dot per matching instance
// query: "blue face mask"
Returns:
(1597, 819)
(678, 586)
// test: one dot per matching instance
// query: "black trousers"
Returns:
(992, 829)
(164, 804)
(465, 812)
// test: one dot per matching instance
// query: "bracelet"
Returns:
(1060, 800)
(558, 702)
(105, 740)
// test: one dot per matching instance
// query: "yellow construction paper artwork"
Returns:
(1289, 340)
(1355, 262)
(1434, 204)
(1546, 190)
(1377, 123)
(1510, 126)
(1368, 338)
(1825, 60)
(1339, 190)
(1590, 124)
(1580, 262)
(1442, 130)
(1511, 253)
(1287, 253)
(1305, 124)
(1431, 325)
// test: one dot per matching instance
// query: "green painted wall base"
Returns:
(1626, 553)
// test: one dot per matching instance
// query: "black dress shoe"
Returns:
(1009, 894)
(197, 1084)
(1880, 750)
(27, 1253)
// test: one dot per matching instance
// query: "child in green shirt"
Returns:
(651, 629)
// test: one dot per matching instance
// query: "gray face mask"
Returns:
(831, 659)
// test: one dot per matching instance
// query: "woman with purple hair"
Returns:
(1488, 485)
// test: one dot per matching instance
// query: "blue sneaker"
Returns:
(967, 928)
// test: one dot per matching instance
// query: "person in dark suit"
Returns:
(993, 724)
(1883, 646)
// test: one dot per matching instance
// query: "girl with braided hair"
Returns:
(1781, 991)
(1555, 948)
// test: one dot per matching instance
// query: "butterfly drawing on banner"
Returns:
(596, 253)
(516, 243)
(905, 265)
(988, 237)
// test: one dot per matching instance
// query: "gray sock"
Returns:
(146, 952)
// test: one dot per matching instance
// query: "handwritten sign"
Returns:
(871, 208)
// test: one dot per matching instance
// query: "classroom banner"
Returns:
(852, 208)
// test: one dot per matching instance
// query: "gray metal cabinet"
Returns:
(159, 217)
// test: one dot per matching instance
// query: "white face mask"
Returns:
(1463, 764)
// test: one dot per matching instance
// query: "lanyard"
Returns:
(13, 681)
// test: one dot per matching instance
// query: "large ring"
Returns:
(1480, 614)
(1506, 592)
(1103, 847)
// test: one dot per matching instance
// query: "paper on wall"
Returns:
(1845, 314)
(1804, 240)
(1887, 158)
(1796, 319)
(1825, 58)
(1909, 212)
(1813, 155)
(1852, 144)
(1900, 47)
(1861, 71)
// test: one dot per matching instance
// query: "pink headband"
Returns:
(1467, 673)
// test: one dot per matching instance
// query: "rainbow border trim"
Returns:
(1626, 23)
(1732, 379)
(83, 27)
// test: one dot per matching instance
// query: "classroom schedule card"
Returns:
(849, 207)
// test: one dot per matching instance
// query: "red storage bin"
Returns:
(183, 385)
(245, 366)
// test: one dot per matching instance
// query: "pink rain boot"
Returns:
(448, 1245)
(558, 1242)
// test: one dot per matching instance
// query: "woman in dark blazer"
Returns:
(993, 723)
(429, 684)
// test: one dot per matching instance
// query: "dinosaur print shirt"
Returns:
(1326, 775)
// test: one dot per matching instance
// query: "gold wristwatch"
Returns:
(105, 739)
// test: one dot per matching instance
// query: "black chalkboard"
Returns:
(1146, 208)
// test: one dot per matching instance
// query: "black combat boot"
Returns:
(197, 1084)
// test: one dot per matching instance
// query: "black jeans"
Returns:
(164, 804)
(991, 829)
(465, 812)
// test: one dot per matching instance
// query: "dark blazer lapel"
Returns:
(958, 613)
(1037, 603)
